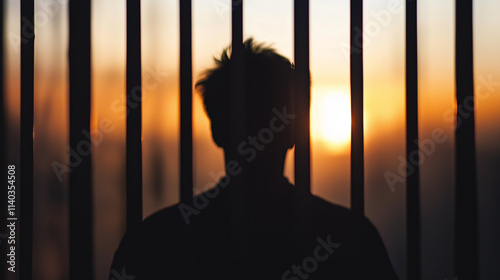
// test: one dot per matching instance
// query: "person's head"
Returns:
(268, 89)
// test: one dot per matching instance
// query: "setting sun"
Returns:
(331, 119)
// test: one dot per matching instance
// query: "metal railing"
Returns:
(81, 227)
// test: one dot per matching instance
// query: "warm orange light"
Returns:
(331, 120)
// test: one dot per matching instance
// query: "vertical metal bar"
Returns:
(466, 223)
(357, 130)
(413, 180)
(238, 74)
(27, 113)
(238, 110)
(186, 99)
(238, 97)
(80, 188)
(238, 121)
(238, 128)
(302, 95)
(134, 115)
(238, 118)
(237, 25)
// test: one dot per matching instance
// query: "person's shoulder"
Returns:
(182, 217)
(141, 244)
(163, 223)
(159, 229)
(360, 239)
(331, 210)
(339, 216)
(169, 216)
(154, 245)
(329, 207)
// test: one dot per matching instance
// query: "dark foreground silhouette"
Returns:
(254, 224)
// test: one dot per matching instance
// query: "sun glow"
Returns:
(331, 119)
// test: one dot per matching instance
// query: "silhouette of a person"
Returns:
(254, 224)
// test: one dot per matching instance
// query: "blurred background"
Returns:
(270, 22)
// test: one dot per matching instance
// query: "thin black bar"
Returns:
(27, 103)
(302, 95)
(80, 188)
(186, 99)
(357, 130)
(238, 120)
(238, 108)
(238, 97)
(238, 124)
(466, 221)
(413, 179)
(134, 116)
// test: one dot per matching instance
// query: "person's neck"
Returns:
(261, 175)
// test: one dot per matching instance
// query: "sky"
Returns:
(270, 22)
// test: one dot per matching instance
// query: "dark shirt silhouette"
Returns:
(254, 224)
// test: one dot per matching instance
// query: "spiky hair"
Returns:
(268, 82)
